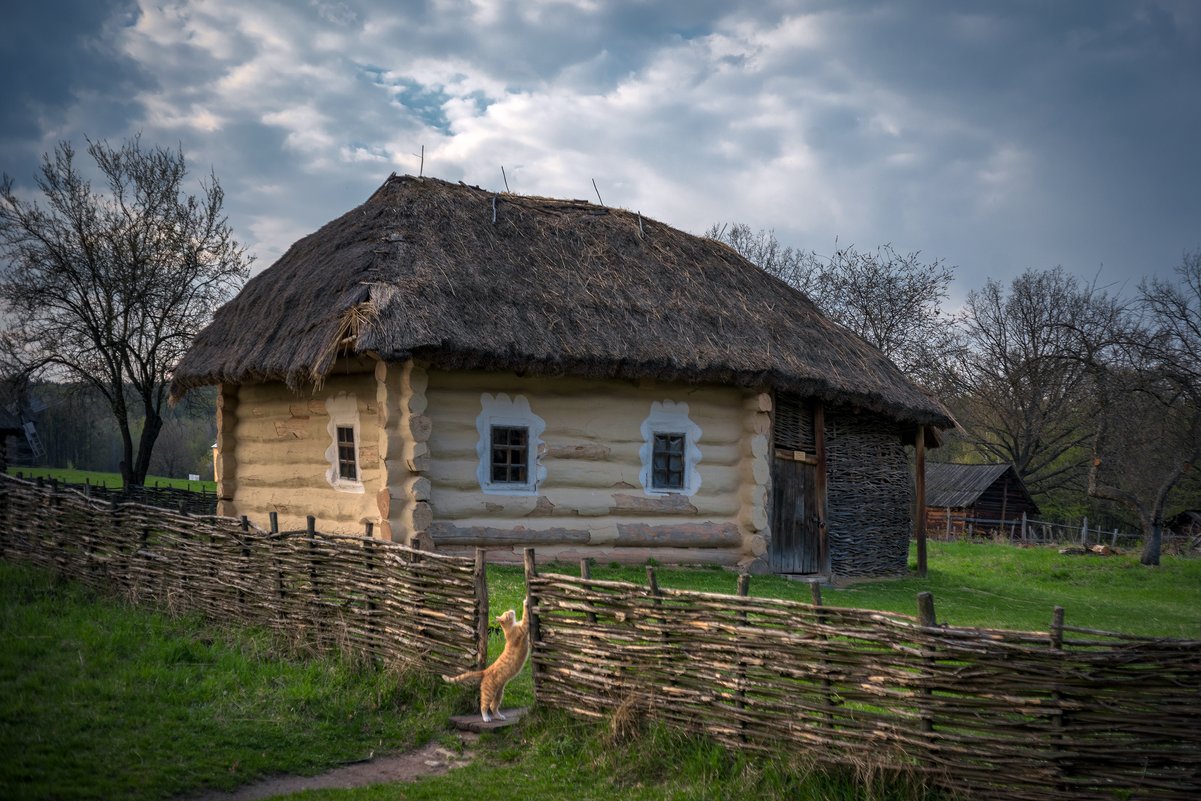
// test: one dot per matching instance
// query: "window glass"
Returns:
(667, 461)
(348, 467)
(510, 454)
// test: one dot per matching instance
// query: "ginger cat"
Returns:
(494, 677)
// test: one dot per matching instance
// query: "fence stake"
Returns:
(531, 600)
(480, 581)
(925, 613)
(311, 532)
(1057, 723)
(1023, 526)
(585, 574)
(744, 589)
(372, 622)
(1084, 533)
(246, 563)
(815, 596)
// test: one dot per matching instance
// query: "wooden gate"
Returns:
(798, 486)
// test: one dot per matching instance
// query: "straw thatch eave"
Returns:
(470, 279)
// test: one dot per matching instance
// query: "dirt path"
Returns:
(429, 760)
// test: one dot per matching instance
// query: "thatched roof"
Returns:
(466, 278)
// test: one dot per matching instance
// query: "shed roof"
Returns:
(472, 279)
(959, 485)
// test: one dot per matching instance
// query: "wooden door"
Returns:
(796, 523)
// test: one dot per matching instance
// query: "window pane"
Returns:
(667, 461)
(510, 454)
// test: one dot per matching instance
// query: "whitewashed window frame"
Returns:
(343, 410)
(670, 417)
(503, 411)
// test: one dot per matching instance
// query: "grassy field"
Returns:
(98, 700)
(111, 480)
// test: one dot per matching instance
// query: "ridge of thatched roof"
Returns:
(466, 278)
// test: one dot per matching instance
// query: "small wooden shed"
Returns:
(985, 497)
(459, 368)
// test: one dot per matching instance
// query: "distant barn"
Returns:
(452, 368)
(988, 496)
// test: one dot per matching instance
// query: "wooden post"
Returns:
(744, 589)
(311, 533)
(1023, 526)
(925, 614)
(585, 574)
(531, 599)
(374, 649)
(245, 525)
(819, 447)
(652, 583)
(948, 523)
(1084, 533)
(1113, 542)
(925, 609)
(919, 493)
(479, 580)
(815, 596)
(1057, 723)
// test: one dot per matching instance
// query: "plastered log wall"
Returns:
(274, 457)
(407, 490)
(592, 502)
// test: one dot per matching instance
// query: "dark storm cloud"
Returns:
(997, 136)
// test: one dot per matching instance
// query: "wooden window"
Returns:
(667, 461)
(510, 454)
(348, 463)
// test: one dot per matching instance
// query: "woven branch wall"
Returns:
(332, 593)
(990, 714)
(869, 496)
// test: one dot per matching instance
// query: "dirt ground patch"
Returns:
(433, 759)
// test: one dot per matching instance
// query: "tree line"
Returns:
(1093, 396)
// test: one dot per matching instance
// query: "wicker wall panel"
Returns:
(869, 495)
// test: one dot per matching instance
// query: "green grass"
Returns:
(110, 480)
(100, 700)
(553, 757)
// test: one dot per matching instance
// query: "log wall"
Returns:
(271, 452)
(591, 502)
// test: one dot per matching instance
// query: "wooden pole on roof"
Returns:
(919, 498)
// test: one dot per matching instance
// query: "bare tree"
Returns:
(110, 287)
(1147, 435)
(893, 300)
(1023, 387)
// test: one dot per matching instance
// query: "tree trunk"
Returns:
(150, 432)
(1152, 539)
(122, 415)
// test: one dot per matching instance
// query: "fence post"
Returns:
(479, 578)
(372, 623)
(531, 600)
(245, 525)
(311, 533)
(585, 574)
(1023, 526)
(744, 590)
(926, 618)
(1057, 723)
(815, 596)
(1084, 533)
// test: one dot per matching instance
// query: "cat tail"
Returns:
(471, 675)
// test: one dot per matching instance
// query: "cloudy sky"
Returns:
(998, 136)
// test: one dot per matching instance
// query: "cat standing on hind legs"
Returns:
(493, 678)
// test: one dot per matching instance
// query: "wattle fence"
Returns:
(991, 714)
(356, 595)
(1067, 714)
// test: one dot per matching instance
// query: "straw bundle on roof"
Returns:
(470, 279)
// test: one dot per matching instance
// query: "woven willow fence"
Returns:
(331, 593)
(1072, 714)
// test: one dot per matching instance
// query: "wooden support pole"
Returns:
(815, 597)
(925, 614)
(585, 574)
(479, 580)
(819, 447)
(919, 499)
(1057, 722)
(531, 600)
(744, 590)
(925, 609)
